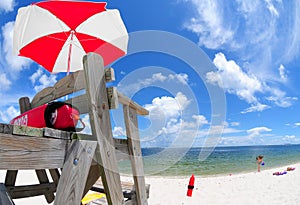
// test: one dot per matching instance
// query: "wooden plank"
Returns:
(22, 152)
(112, 96)
(55, 175)
(5, 198)
(135, 152)
(44, 96)
(18, 192)
(126, 101)
(27, 131)
(67, 85)
(110, 75)
(121, 147)
(81, 103)
(75, 172)
(101, 127)
(43, 179)
(24, 104)
(34, 132)
(10, 178)
(57, 134)
(93, 176)
(6, 128)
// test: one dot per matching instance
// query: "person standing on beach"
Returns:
(259, 160)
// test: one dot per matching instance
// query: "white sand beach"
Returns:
(248, 188)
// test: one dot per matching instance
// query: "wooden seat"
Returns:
(83, 158)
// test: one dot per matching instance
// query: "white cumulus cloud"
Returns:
(8, 114)
(246, 86)
(257, 131)
(15, 63)
(231, 77)
(41, 80)
(132, 87)
(4, 82)
(7, 5)
(260, 33)
(210, 24)
(168, 107)
(118, 132)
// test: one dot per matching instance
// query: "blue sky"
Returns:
(253, 52)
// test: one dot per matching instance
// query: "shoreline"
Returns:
(263, 168)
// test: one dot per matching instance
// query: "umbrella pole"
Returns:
(69, 57)
(70, 52)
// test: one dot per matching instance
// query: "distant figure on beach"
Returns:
(259, 160)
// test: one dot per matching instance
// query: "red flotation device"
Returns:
(191, 186)
(57, 115)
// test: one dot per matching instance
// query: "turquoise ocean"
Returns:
(218, 161)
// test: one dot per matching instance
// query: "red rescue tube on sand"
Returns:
(57, 115)
(191, 186)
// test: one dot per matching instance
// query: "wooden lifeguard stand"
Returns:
(75, 161)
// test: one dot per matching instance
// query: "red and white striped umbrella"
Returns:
(57, 34)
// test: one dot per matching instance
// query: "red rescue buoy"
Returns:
(191, 186)
(58, 115)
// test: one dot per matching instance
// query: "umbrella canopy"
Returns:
(57, 34)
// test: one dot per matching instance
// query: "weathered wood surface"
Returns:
(56, 134)
(6, 128)
(55, 175)
(93, 176)
(4, 196)
(43, 179)
(135, 153)
(10, 178)
(112, 95)
(110, 75)
(24, 104)
(42, 152)
(67, 85)
(75, 172)
(11, 175)
(81, 103)
(121, 146)
(18, 192)
(34, 132)
(22, 152)
(127, 101)
(76, 82)
(101, 127)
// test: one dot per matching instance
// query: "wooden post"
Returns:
(75, 172)
(101, 127)
(134, 149)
